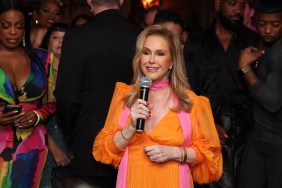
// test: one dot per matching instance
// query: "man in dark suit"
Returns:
(94, 57)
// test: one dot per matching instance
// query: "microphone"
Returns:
(145, 84)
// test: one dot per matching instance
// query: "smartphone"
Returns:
(12, 107)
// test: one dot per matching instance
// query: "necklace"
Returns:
(159, 85)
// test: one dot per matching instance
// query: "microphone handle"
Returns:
(144, 93)
(140, 125)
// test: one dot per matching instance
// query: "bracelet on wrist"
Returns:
(182, 154)
(123, 135)
(38, 118)
(246, 69)
(185, 155)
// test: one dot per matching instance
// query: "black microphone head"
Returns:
(145, 82)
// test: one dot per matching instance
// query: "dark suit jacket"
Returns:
(94, 57)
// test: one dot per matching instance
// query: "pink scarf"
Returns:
(159, 85)
(184, 170)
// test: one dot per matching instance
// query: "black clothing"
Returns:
(219, 76)
(94, 57)
(89, 182)
(263, 153)
(267, 95)
(261, 165)
(192, 69)
(223, 84)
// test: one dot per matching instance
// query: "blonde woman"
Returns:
(179, 143)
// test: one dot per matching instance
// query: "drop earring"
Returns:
(24, 43)
(91, 8)
(167, 74)
(35, 20)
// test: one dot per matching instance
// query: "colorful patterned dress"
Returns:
(23, 151)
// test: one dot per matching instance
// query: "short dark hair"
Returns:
(269, 6)
(168, 15)
(53, 28)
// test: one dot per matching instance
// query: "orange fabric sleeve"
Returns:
(205, 141)
(104, 148)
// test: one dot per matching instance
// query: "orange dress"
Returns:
(144, 173)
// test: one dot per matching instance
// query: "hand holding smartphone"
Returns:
(12, 107)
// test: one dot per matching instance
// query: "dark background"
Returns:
(196, 13)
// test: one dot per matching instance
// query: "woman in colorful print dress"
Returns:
(23, 81)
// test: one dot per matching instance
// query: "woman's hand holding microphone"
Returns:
(138, 110)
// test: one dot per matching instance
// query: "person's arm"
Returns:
(268, 94)
(124, 136)
(49, 105)
(205, 141)
(204, 148)
(164, 153)
(60, 157)
(110, 144)
(68, 85)
(247, 57)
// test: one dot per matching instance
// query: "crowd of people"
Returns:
(72, 94)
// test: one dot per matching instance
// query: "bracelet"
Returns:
(182, 154)
(246, 69)
(123, 135)
(38, 118)
(185, 155)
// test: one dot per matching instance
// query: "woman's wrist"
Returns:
(37, 118)
(184, 159)
(190, 156)
(131, 127)
(185, 155)
(177, 154)
(180, 159)
(123, 137)
(128, 132)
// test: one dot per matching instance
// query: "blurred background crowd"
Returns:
(196, 13)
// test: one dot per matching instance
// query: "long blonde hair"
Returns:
(177, 78)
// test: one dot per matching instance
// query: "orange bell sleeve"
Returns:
(104, 148)
(205, 142)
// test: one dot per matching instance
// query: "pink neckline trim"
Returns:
(159, 85)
